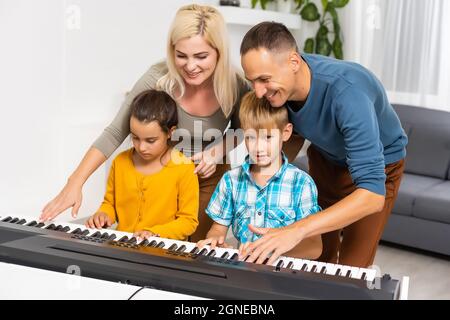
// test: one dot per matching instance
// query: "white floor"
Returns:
(429, 274)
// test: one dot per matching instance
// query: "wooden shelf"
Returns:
(251, 17)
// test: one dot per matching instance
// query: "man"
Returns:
(357, 145)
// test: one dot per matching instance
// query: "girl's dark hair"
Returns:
(154, 105)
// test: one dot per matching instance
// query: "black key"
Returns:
(85, 232)
(105, 235)
(203, 252)
(7, 219)
(59, 227)
(32, 224)
(96, 234)
(265, 261)
(51, 227)
(280, 264)
(14, 220)
(304, 267)
(123, 239)
(235, 256)
(112, 237)
(363, 276)
(313, 269)
(76, 231)
(153, 243)
(348, 274)
(40, 225)
(338, 271)
(173, 247)
(290, 265)
(323, 270)
(212, 253)
(133, 240)
(144, 243)
(21, 221)
(182, 248)
(161, 245)
(225, 255)
(65, 229)
(195, 250)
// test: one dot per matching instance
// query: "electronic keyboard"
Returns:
(180, 266)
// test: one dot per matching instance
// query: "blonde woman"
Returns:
(199, 76)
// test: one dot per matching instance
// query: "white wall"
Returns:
(64, 69)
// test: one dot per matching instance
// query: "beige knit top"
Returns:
(191, 129)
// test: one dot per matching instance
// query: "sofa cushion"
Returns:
(428, 150)
(434, 203)
(411, 187)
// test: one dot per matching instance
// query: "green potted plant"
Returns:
(263, 3)
(328, 36)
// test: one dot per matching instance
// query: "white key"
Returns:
(354, 272)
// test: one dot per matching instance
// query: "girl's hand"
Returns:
(98, 221)
(143, 234)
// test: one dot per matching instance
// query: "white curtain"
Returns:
(406, 43)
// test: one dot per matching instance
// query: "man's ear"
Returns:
(295, 61)
(287, 132)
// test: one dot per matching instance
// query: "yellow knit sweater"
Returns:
(165, 203)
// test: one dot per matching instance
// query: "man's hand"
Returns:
(274, 242)
(98, 221)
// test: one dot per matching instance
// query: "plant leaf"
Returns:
(337, 48)
(299, 4)
(340, 3)
(309, 45)
(323, 46)
(322, 32)
(324, 5)
(310, 12)
(254, 2)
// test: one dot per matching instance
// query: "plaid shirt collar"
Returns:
(247, 165)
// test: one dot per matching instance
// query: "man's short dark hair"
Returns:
(272, 36)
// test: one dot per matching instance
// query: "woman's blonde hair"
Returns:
(257, 113)
(192, 20)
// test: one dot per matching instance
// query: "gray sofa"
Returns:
(421, 215)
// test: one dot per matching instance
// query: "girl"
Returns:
(152, 188)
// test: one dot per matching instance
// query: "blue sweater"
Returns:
(349, 119)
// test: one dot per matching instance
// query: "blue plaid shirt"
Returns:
(288, 196)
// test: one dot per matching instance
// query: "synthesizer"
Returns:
(180, 266)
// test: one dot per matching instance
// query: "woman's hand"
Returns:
(98, 221)
(70, 196)
(207, 161)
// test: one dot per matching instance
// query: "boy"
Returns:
(266, 191)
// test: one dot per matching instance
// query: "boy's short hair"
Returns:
(272, 36)
(153, 105)
(257, 113)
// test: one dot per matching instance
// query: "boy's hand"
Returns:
(242, 248)
(213, 242)
(143, 234)
(98, 221)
